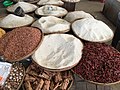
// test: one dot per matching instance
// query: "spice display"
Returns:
(12, 21)
(15, 77)
(39, 79)
(92, 30)
(27, 7)
(51, 10)
(100, 63)
(57, 25)
(75, 15)
(19, 42)
(58, 51)
(51, 2)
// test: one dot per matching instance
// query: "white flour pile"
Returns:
(58, 51)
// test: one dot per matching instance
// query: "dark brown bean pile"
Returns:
(100, 63)
(19, 42)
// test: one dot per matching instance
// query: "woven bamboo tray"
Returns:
(22, 58)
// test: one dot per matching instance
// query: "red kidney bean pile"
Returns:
(100, 63)
(19, 42)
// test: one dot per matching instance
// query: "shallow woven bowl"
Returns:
(58, 70)
(22, 78)
(101, 41)
(105, 84)
(43, 14)
(22, 58)
(9, 29)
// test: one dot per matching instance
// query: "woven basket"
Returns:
(22, 58)
(97, 83)
(57, 70)
(9, 29)
(108, 39)
(11, 81)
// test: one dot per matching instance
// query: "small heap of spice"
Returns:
(2, 32)
(100, 63)
(15, 77)
(39, 79)
(19, 43)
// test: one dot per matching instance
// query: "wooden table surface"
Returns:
(78, 84)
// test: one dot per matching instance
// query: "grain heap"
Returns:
(19, 42)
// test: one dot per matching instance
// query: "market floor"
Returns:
(94, 8)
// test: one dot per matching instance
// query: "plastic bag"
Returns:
(4, 71)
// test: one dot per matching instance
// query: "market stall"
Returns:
(44, 45)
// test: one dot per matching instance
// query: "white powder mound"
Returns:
(58, 51)
(71, 1)
(12, 21)
(27, 7)
(51, 10)
(75, 15)
(92, 30)
(51, 24)
(50, 2)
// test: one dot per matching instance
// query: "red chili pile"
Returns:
(100, 63)
(19, 42)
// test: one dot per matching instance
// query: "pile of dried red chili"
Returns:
(100, 63)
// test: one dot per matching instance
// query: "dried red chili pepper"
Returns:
(100, 63)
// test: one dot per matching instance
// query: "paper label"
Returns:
(4, 71)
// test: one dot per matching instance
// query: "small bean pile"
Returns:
(39, 79)
(15, 77)
(19, 42)
(100, 63)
